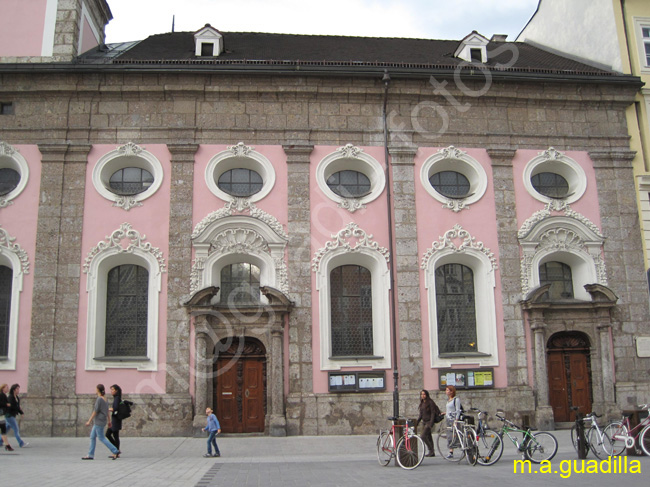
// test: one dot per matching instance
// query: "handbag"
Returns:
(438, 417)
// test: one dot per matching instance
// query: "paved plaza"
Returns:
(263, 461)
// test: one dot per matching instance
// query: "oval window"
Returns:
(240, 182)
(451, 184)
(349, 184)
(550, 184)
(130, 180)
(9, 179)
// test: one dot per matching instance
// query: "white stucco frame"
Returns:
(14, 257)
(483, 264)
(11, 158)
(102, 258)
(374, 258)
(552, 160)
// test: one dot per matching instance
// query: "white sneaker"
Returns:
(25, 445)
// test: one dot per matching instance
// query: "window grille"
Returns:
(550, 184)
(130, 180)
(240, 182)
(451, 184)
(127, 311)
(6, 279)
(240, 284)
(351, 309)
(559, 276)
(349, 184)
(455, 302)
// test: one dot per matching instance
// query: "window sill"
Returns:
(353, 357)
(464, 354)
(122, 359)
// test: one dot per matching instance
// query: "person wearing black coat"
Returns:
(114, 421)
(13, 411)
(428, 411)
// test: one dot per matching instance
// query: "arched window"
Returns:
(455, 303)
(126, 311)
(240, 284)
(558, 275)
(351, 311)
(6, 279)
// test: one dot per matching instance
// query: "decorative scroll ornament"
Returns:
(557, 206)
(446, 242)
(455, 205)
(4, 202)
(126, 202)
(114, 241)
(240, 150)
(7, 242)
(130, 149)
(551, 154)
(240, 205)
(340, 241)
(351, 204)
(349, 150)
(451, 152)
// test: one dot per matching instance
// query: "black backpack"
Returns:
(124, 409)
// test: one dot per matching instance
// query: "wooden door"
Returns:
(557, 386)
(580, 390)
(240, 392)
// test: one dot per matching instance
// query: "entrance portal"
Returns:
(240, 385)
(569, 375)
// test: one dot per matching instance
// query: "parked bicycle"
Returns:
(536, 447)
(464, 438)
(579, 434)
(408, 448)
(490, 446)
(622, 436)
(596, 439)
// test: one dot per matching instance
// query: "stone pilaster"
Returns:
(509, 265)
(544, 413)
(57, 271)
(179, 268)
(201, 370)
(299, 276)
(405, 264)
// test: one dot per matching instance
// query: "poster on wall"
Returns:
(466, 378)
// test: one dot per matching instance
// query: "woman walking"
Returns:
(428, 412)
(4, 405)
(99, 418)
(13, 411)
(114, 421)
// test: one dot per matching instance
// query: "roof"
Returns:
(242, 48)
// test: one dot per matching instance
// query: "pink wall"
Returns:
(100, 220)
(21, 27)
(204, 203)
(20, 221)
(433, 223)
(328, 219)
(88, 39)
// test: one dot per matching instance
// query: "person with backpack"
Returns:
(453, 411)
(114, 419)
(428, 412)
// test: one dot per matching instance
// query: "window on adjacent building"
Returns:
(351, 311)
(451, 184)
(240, 284)
(130, 181)
(126, 311)
(455, 304)
(6, 279)
(550, 184)
(646, 43)
(558, 275)
(349, 184)
(9, 179)
(240, 182)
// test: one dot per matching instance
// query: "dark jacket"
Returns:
(428, 411)
(14, 406)
(4, 404)
(116, 422)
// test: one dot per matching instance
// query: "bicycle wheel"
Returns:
(490, 447)
(614, 441)
(574, 440)
(385, 448)
(443, 448)
(542, 446)
(410, 453)
(471, 448)
(644, 440)
(597, 441)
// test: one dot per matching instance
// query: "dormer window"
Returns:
(473, 48)
(208, 42)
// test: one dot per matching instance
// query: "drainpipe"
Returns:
(393, 301)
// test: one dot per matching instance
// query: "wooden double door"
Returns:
(569, 375)
(240, 389)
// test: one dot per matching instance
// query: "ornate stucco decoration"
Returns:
(130, 149)
(349, 150)
(8, 242)
(240, 205)
(466, 241)
(114, 242)
(11, 152)
(126, 202)
(557, 229)
(240, 150)
(340, 241)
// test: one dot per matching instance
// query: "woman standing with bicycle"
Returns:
(453, 412)
(428, 412)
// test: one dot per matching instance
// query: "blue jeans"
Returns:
(212, 441)
(98, 432)
(13, 424)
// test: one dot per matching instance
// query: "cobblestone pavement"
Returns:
(295, 461)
